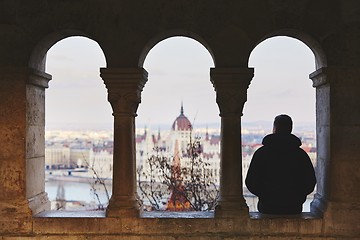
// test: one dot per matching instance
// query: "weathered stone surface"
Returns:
(126, 31)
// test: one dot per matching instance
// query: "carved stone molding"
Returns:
(231, 86)
(333, 74)
(39, 79)
(124, 94)
(31, 76)
(124, 88)
(319, 77)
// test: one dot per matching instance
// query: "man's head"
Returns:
(282, 124)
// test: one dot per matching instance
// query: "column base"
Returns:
(39, 203)
(234, 207)
(318, 205)
(123, 207)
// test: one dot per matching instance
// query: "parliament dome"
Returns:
(182, 123)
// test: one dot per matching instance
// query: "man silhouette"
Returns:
(280, 172)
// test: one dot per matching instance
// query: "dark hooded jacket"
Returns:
(281, 175)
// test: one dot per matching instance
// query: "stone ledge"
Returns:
(174, 224)
(304, 215)
(164, 214)
(71, 214)
(101, 214)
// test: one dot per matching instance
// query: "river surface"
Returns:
(77, 192)
(84, 193)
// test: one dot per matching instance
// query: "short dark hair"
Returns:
(283, 124)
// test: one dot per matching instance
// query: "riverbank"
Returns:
(73, 175)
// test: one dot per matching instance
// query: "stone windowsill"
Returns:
(164, 214)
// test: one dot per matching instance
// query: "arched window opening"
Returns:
(281, 85)
(178, 129)
(79, 135)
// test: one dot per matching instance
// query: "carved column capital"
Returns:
(231, 86)
(124, 88)
(318, 77)
(32, 76)
(124, 94)
(333, 75)
(38, 78)
(337, 95)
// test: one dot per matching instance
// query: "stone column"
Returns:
(231, 86)
(124, 94)
(321, 83)
(21, 147)
(338, 144)
(37, 82)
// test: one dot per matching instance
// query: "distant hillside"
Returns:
(257, 125)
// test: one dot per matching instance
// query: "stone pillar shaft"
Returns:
(124, 161)
(320, 82)
(231, 173)
(12, 138)
(231, 86)
(22, 147)
(338, 144)
(124, 94)
(37, 82)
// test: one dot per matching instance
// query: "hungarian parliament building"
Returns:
(72, 155)
(175, 145)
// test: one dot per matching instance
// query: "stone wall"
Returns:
(126, 31)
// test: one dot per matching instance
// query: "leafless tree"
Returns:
(199, 186)
(97, 180)
(192, 184)
(152, 189)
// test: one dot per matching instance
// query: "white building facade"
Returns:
(164, 144)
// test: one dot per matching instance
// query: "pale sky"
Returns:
(178, 72)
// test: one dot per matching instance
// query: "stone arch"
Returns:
(37, 58)
(323, 128)
(168, 34)
(232, 46)
(308, 40)
(206, 53)
(178, 137)
(36, 83)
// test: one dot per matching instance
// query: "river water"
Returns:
(81, 195)
(82, 192)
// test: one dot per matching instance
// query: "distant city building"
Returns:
(57, 156)
(101, 159)
(69, 152)
(90, 150)
(176, 142)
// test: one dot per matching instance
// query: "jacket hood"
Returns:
(278, 139)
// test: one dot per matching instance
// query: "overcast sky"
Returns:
(178, 72)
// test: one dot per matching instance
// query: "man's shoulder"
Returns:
(262, 150)
(279, 139)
